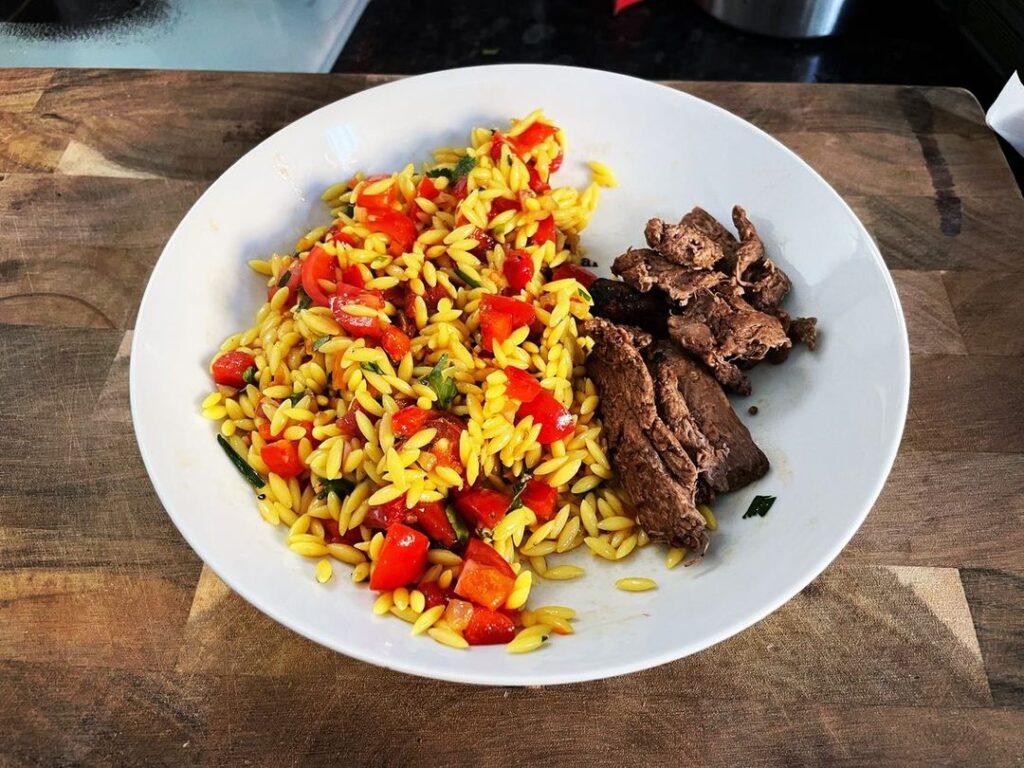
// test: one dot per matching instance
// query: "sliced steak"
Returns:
(684, 244)
(711, 227)
(644, 269)
(691, 401)
(624, 305)
(726, 333)
(652, 465)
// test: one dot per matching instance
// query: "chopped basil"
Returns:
(321, 341)
(441, 384)
(585, 295)
(304, 301)
(461, 531)
(466, 278)
(759, 506)
(241, 464)
(517, 501)
(341, 487)
(464, 166)
(249, 375)
(435, 172)
(371, 366)
(285, 277)
(295, 397)
(349, 210)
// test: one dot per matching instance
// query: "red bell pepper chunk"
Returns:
(410, 420)
(541, 498)
(556, 423)
(521, 385)
(494, 327)
(532, 136)
(488, 627)
(545, 231)
(229, 368)
(383, 199)
(427, 189)
(294, 281)
(483, 585)
(351, 275)
(483, 553)
(395, 342)
(583, 276)
(319, 265)
(282, 458)
(518, 269)
(434, 521)
(402, 558)
(483, 507)
(399, 228)
(520, 312)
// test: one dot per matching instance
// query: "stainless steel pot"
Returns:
(782, 18)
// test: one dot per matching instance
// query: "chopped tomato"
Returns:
(337, 236)
(351, 275)
(410, 420)
(483, 553)
(520, 312)
(319, 265)
(383, 199)
(347, 423)
(395, 343)
(351, 294)
(537, 184)
(229, 368)
(427, 189)
(446, 444)
(399, 228)
(458, 614)
(502, 204)
(556, 423)
(489, 628)
(433, 595)
(459, 190)
(545, 231)
(484, 241)
(282, 458)
(402, 558)
(532, 136)
(521, 385)
(481, 584)
(434, 521)
(496, 141)
(264, 430)
(483, 507)
(384, 515)
(541, 498)
(332, 534)
(355, 325)
(518, 269)
(294, 281)
(494, 326)
(555, 164)
(583, 275)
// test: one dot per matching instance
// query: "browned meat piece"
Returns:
(652, 465)
(711, 227)
(804, 330)
(683, 244)
(621, 304)
(726, 332)
(644, 269)
(765, 285)
(692, 401)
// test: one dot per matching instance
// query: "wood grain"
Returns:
(117, 647)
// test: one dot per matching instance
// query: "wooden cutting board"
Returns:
(118, 647)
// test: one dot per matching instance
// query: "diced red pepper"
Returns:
(282, 458)
(434, 521)
(318, 265)
(537, 184)
(487, 627)
(433, 595)
(494, 327)
(520, 312)
(427, 189)
(402, 558)
(399, 228)
(518, 269)
(351, 275)
(483, 507)
(541, 498)
(583, 275)
(532, 136)
(410, 420)
(458, 614)
(482, 585)
(545, 231)
(383, 199)
(481, 552)
(294, 281)
(229, 368)
(521, 385)
(395, 343)
(555, 164)
(556, 423)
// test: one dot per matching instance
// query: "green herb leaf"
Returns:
(304, 301)
(295, 397)
(349, 210)
(285, 277)
(464, 166)
(441, 384)
(371, 366)
(585, 295)
(466, 278)
(759, 506)
(341, 487)
(321, 341)
(435, 172)
(517, 501)
(241, 464)
(461, 530)
(249, 375)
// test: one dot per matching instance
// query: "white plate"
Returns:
(830, 421)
